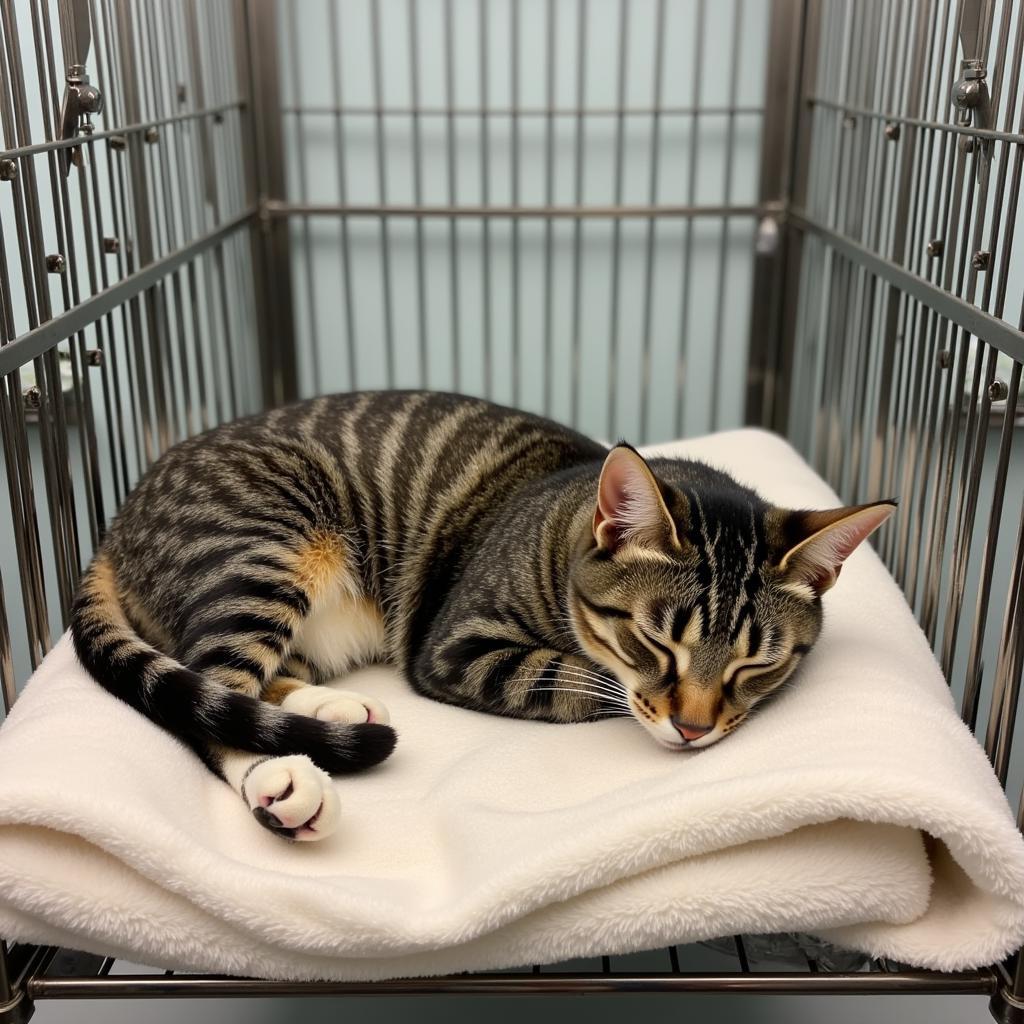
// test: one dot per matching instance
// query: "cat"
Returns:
(501, 561)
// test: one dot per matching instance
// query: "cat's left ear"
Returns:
(630, 507)
(826, 539)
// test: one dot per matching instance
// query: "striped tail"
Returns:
(195, 709)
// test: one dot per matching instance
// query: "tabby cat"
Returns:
(503, 562)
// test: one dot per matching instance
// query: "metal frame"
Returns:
(882, 241)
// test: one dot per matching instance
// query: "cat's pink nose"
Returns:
(689, 731)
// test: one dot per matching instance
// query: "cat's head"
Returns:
(702, 602)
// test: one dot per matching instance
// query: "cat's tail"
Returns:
(198, 710)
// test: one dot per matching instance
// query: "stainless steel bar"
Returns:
(723, 245)
(385, 239)
(577, 233)
(118, 464)
(64, 233)
(348, 296)
(523, 111)
(990, 329)
(451, 166)
(43, 338)
(270, 245)
(514, 154)
(8, 684)
(616, 243)
(888, 117)
(52, 423)
(417, 180)
(551, 42)
(741, 954)
(968, 493)
(973, 675)
(483, 48)
(786, 175)
(178, 212)
(136, 128)
(651, 235)
(278, 208)
(18, 468)
(917, 257)
(980, 982)
(143, 249)
(1007, 683)
(307, 246)
(138, 400)
(108, 344)
(903, 219)
(682, 356)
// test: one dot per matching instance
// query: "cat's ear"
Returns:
(826, 539)
(630, 507)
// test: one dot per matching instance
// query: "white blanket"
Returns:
(487, 843)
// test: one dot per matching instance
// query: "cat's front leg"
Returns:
(485, 672)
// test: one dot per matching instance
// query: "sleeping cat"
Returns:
(503, 562)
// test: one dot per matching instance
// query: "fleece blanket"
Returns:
(857, 807)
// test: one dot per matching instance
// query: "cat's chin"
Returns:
(669, 745)
(678, 745)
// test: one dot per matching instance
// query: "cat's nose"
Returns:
(690, 731)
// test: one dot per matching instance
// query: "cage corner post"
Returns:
(792, 41)
(15, 1005)
(260, 83)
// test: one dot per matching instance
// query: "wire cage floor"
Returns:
(804, 220)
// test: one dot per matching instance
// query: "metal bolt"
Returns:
(94, 357)
(998, 390)
(944, 358)
(152, 134)
(55, 263)
(935, 247)
(892, 131)
(111, 245)
(981, 260)
(118, 142)
(182, 92)
(32, 397)
(8, 170)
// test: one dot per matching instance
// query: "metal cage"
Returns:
(643, 217)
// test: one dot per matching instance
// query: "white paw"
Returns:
(336, 706)
(291, 796)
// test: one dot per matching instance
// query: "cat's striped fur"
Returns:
(503, 562)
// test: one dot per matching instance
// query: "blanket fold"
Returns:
(856, 806)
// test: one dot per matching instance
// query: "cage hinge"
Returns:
(971, 98)
(81, 100)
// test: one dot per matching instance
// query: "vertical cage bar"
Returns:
(269, 242)
(616, 253)
(382, 189)
(784, 162)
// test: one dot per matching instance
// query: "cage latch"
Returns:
(971, 98)
(81, 100)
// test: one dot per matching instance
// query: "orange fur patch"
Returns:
(280, 688)
(321, 564)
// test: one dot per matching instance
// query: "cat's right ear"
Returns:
(630, 508)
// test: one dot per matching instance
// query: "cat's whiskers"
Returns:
(582, 690)
(594, 684)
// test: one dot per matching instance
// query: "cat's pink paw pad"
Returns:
(292, 797)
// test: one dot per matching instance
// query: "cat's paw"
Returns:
(331, 705)
(292, 797)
